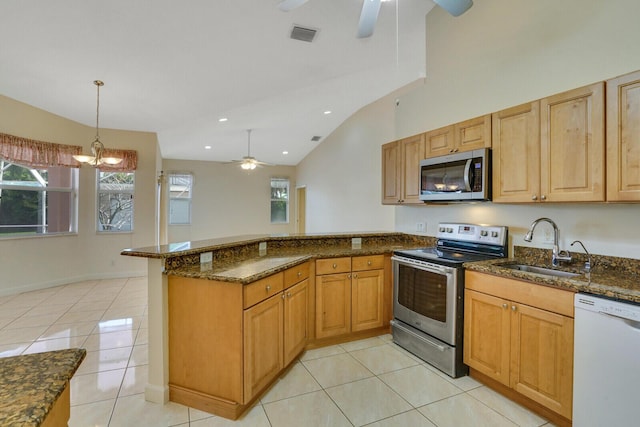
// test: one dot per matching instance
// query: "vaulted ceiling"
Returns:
(177, 67)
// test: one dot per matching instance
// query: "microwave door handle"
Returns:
(467, 180)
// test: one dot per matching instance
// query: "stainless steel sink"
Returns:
(540, 270)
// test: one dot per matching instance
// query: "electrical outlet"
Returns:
(420, 226)
(356, 243)
(206, 257)
(262, 248)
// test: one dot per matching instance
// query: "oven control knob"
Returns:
(494, 234)
(484, 233)
(449, 230)
(441, 229)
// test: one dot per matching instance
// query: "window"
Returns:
(180, 189)
(279, 200)
(115, 201)
(37, 201)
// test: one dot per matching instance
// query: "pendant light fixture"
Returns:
(97, 147)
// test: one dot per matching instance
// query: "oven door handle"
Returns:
(433, 268)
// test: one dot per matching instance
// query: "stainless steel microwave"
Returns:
(456, 177)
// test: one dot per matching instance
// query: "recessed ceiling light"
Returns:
(207, 147)
(327, 112)
(222, 119)
(285, 152)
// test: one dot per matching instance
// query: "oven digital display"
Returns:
(466, 229)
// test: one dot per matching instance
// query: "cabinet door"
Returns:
(473, 134)
(263, 344)
(487, 335)
(391, 173)
(439, 142)
(333, 305)
(623, 138)
(572, 149)
(412, 152)
(516, 154)
(542, 357)
(295, 320)
(367, 296)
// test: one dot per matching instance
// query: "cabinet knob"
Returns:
(282, 296)
(348, 276)
(543, 197)
(505, 305)
(289, 294)
(299, 273)
(514, 308)
(268, 288)
(534, 197)
(368, 262)
(335, 265)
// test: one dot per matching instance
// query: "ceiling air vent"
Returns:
(303, 34)
(316, 138)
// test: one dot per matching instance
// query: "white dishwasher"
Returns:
(606, 366)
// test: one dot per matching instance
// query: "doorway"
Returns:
(301, 209)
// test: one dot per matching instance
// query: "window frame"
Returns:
(99, 227)
(72, 190)
(190, 198)
(287, 200)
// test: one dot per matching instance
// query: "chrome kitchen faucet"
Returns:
(557, 254)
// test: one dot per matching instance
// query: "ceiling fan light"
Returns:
(454, 7)
(83, 158)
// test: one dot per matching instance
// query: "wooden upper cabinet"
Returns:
(468, 135)
(473, 134)
(391, 173)
(439, 142)
(623, 138)
(401, 170)
(412, 153)
(572, 145)
(516, 154)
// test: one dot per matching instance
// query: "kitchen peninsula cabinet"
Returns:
(551, 150)
(519, 335)
(228, 341)
(401, 170)
(350, 295)
(623, 138)
(468, 135)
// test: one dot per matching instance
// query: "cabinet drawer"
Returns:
(540, 296)
(296, 274)
(333, 265)
(371, 262)
(263, 289)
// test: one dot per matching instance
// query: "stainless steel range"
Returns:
(428, 291)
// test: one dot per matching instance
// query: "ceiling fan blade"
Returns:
(287, 5)
(368, 18)
(454, 7)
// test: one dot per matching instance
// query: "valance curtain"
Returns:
(129, 160)
(37, 154)
(40, 154)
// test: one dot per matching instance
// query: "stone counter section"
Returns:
(31, 384)
(611, 277)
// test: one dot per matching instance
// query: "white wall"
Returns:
(33, 263)
(228, 201)
(500, 53)
(343, 174)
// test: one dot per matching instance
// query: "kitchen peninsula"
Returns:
(351, 271)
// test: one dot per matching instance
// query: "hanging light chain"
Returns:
(98, 83)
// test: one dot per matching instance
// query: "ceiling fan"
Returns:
(248, 162)
(371, 8)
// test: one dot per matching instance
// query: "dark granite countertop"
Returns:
(197, 246)
(254, 268)
(31, 384)
(616, 278)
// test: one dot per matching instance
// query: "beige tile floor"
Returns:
(369, 382)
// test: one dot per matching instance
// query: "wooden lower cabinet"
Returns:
(353, 299)
(228, 342)
(526, 347)
(263, 344)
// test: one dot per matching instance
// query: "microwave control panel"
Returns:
(491, 234)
